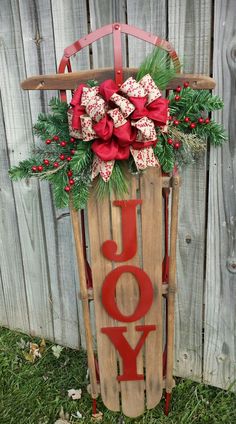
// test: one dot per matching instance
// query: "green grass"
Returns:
(35, 393)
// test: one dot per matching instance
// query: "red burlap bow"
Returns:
(120, 120)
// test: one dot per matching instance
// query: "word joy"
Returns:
(116, 334)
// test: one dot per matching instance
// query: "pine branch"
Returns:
(55, 123)
(158, 65)
(165, 155)
(23, 170)
(213, 131)
(194, 102)
(82, 157)
(80, 194)
(118, 183)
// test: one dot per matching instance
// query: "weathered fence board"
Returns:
(12, 293)
(38, 52)
(220, 297)
(19, 138)
(103, 12)
(39, 289)
(189, 28)
(151, 16)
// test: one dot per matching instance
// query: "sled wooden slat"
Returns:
(99, 231)
(151, 212)
(105, 224)
(132, 392)
(172, 284)
(71, 80)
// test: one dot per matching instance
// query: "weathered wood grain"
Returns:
(151, 223)
(104, 12)
(69, 24)
(147, 15)
(3, 310)
(220, 292)
(26, 194)
(189, 29)
(70, 81)
(31, 31)
(127, 292)
(12, 287)
(38, 41)
(99, 231)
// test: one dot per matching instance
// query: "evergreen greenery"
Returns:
(67, 162)
(117, 184)
(158, 65)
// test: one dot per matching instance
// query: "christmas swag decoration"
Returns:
(108, 130)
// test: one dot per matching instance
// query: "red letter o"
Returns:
(109, 293)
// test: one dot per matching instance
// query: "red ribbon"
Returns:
(114, 142)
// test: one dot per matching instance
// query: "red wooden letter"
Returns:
(129, 233)
(109, 293)
(128, 355)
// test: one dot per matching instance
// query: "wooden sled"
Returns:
(129, 291)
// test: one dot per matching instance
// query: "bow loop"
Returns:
(129, 128)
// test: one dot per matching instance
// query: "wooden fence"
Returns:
(38, 279)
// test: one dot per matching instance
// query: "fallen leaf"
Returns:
(35, 351)
(42, 346)
(56, 350)
(29, 357)
(77, 415)
(22, 344)
(74, 394)
(64, 417)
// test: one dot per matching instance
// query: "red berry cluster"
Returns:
(71, 181)
(62, 156)
(174, 143)
(186, 119)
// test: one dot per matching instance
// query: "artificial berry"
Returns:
(63, 143)
(177, 98)
(46, 162)
(68, 158)
(48, 141)
(72, 151)
(207, 120)
(192, 125)
(186, 84)
(170, 141)
(200, 120)
(70, 173)
(176, 122)
(71, 181)
(55, 137)
(34, 168)
(186, 119)
(67, 188)
(56, 164)
(62, 157)
(72, 139)
(40, 168)
(178, 89)
(176, 145)
(170, 118)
